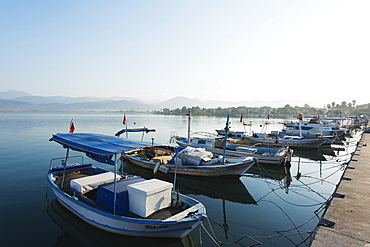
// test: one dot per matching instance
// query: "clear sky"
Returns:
(314, 50)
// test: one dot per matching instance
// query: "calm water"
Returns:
(269, 206)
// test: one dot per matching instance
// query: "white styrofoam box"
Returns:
(149, 196)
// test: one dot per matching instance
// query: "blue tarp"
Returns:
(97, 145)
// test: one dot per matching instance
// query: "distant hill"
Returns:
(179, 102)
(12, 105)
(12, 94)
(13, 100)
(54, 99)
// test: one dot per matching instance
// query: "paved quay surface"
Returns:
(347, 219)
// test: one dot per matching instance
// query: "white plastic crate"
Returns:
(149, 196)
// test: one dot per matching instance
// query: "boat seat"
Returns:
(86, 184)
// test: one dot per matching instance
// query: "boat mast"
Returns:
(189, 118)
(225, 139)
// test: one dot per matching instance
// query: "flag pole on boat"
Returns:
(65, 162)
(225, 138)
(124, 121)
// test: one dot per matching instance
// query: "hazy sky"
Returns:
(314, 50)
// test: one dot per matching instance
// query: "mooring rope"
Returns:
(213, 237)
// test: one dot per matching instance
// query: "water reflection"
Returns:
(230, 189)
(76, 232)
(316, 154)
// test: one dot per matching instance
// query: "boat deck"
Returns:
(89, 197)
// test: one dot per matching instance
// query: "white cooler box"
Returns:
(149, 196)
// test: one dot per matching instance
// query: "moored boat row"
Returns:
(311, 133)
(131, 205)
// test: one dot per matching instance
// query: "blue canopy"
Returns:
(134, 130)
(97, 146)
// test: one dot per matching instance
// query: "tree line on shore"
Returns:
(332, 109)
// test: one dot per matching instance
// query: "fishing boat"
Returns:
(188, 161)
(236, 148)
(312, 128)
(234, 134)
(118, 204)
(291, 141)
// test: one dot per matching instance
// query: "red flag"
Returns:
(72, 127)
(241, 117)
(124, 120)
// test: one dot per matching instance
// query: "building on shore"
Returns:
(364, 109)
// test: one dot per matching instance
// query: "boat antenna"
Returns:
(189, 118)
(225, 138)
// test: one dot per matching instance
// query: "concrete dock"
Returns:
(346, 222)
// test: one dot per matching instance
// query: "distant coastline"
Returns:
(18, 101)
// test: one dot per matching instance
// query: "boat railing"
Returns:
(63, 160)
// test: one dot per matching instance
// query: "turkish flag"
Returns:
(72, 128)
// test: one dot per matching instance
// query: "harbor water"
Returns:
(269, 206)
